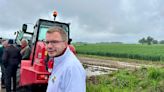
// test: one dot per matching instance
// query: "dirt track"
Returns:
(111, 63)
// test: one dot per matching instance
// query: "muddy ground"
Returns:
(115, 64)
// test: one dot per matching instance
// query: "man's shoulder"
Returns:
(6, 48)
(28, 48)
(71, 60)
(73, 63)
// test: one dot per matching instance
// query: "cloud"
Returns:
(101, 20)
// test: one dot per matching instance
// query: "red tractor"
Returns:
(34, 72)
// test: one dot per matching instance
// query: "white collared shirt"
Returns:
(68, 74)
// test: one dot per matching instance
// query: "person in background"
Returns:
(0, 40)
(68, 74)
(2, 47)
(11, 58)
(26, 50)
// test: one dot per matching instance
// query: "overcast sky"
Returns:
(91, 20)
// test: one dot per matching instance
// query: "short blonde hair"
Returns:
(59, 30)
(25, 41)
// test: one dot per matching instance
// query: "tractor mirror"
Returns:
(69, 41)
(24, 27)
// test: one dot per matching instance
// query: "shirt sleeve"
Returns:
(73, 81)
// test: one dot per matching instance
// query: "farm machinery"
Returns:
(34, 72)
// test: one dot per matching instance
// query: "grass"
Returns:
(141, 80)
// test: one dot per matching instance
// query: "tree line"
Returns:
(150, 40)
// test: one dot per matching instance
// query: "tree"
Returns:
(149, 40)
(161, 42)
(155, 41)
(142, 41)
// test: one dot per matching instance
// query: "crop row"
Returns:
(153, 53)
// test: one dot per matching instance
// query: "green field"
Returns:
(145, 79)
(132, 51)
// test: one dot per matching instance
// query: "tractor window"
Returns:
(19, 37)
(42, 33)
(44, 28)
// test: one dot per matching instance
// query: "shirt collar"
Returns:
(58, 60)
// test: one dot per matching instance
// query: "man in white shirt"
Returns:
(68, 74)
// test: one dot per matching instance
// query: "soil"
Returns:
(113, 64)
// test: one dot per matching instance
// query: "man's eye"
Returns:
(46, 42)
(54, 42)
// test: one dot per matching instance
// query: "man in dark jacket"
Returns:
(2, 47)
(11, 58)
(1, 52)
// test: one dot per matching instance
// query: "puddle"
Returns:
(93, 70)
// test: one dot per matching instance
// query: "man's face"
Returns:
(23, 44)
(54, 44)
(5, 43)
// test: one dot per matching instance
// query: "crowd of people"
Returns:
(10, 57)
